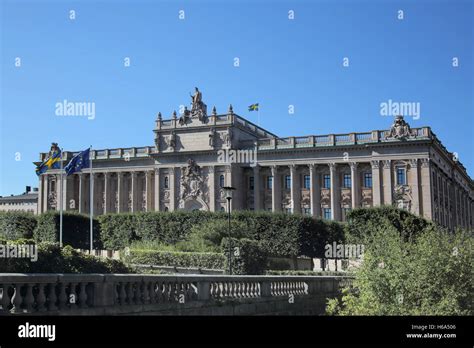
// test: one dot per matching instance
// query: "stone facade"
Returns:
(195, 155)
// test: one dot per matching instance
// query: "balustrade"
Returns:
(83, 293)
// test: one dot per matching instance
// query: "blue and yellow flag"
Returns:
(253, 107)
(52, 162)
(78, 162)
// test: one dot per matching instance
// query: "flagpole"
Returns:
(61, 203)
(91, 181)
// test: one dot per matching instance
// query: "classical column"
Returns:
(148, 190)
(354, 185)
(134, 192)
(276, 187)
(426, 188)
(172, 184)
(107, 193)
(81, 193)
(59, 191)
(295, 190)
(157, 189)
(414, 182)
(45, 192)
(39, 208)
(315, 191)
(256, 188)
(376, 192)
(212, 188)
(335, 193)
(387, 182)
(120, 192)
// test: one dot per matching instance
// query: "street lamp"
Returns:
(228, 195)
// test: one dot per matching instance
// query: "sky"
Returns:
(334, 62)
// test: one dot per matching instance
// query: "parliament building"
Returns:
(196, 154)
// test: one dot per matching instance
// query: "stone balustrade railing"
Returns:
(337, 139)
(92, 294)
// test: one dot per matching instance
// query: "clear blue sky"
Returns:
(282, 62)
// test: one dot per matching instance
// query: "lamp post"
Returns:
(228, 195)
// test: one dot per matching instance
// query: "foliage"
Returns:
(76, 229)
(248, 256)
(280, 234)
(208, 236)
(15, 225)
(427, 275)
(406, 223)
(176, 259)
(52, 259)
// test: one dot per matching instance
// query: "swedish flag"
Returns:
(253, 107)
(52, 162)
(78, 162)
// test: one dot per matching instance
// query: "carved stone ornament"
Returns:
(192, 182)
(400, 129)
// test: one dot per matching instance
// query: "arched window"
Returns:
(221, 181)
(167, 182)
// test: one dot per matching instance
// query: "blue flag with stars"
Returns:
(78, 162)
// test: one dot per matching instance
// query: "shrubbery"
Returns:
(15, 225)
(280, 234)
(52, 259)
(248, 256)
(76, 229)
(410, 267)
(176, 259)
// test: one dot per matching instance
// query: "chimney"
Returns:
(28, 189)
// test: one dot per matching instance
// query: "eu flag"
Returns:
(78, 162)
(52, 162)
(253, 107)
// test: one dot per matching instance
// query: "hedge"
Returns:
(248, 256)
(363, 222)
(52, 259)
(76, 229)
(281, 235)
(176, 259)
(15, 225)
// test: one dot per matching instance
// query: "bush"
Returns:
(208, 236)
(15, 225)
(248, 256)
(280, 234)
(431, 275)
(117, 231)
(176, 259)
(76, 229)
(360, 222)
(52, 259)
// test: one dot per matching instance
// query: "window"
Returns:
(251, 183)
(401, 177)
(306, 211)
(307, 182)
(288, 210)
(221, 181)
(347, 181)
(167, 182)
(327, 181)
(222, 209)
(269, 182)
(327, 213)
(367, 179)
(287, 182)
